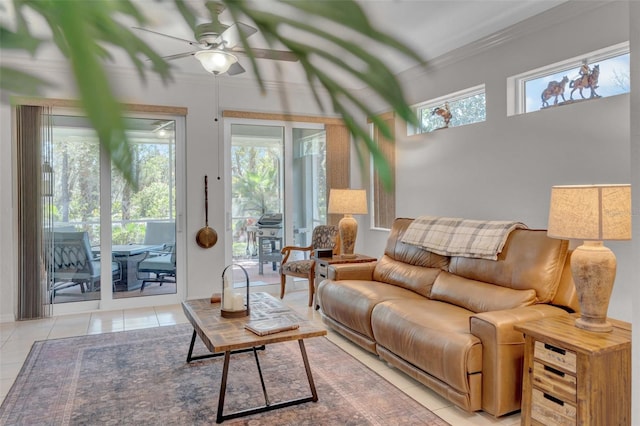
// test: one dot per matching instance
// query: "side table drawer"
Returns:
(322, 269)
(547, 410)
(554, 382)
(555, 356)
(573, 376)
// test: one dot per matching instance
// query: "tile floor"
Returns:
(16, 339)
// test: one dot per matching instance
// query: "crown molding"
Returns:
(546, 19)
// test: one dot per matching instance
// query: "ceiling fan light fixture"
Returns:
(216, 61)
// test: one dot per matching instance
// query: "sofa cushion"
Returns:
(477, 296)
(412, 277)
(529, 260)
(431, 335)
(408, 253)
(350, 302)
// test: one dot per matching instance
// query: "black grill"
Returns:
(270, 225)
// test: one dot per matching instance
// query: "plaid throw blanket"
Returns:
(460, 237)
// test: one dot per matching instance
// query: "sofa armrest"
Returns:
(351, 271)
(503, 354)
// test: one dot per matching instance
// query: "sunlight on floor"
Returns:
(16, 339)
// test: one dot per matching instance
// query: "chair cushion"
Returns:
(96, 268)
(156, 264)
(297, 267)
(324, 236)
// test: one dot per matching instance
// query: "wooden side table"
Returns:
(573, 376)
(322, 266)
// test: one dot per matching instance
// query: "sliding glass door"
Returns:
(308, 183)
(143, 230)
(72, 172)
(106, 239)
(277, 191)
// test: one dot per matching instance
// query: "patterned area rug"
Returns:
(141, 378)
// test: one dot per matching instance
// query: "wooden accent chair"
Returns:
(323, 237)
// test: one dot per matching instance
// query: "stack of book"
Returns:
(270, 326)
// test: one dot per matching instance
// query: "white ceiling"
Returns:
(431, 27)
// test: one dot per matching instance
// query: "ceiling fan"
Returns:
(217, 43)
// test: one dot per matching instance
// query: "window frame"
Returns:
(439, 101)
(516, 94)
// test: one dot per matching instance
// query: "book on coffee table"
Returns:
(270, 326)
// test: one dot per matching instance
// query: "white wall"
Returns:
(195, 92)
(504, 168)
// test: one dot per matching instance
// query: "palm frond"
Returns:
(82, 29)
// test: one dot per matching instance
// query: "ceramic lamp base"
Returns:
(348, 228)
(593, 267)
(593, 324)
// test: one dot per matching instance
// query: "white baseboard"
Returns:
(7, 318)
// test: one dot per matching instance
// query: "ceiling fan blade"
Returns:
(178, 56)
(235, 69)
(278, 55)
(193, 43)
(230, 37)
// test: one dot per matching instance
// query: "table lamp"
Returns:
(347, 202)
(591, 213)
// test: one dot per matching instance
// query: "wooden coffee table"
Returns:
(225, 336)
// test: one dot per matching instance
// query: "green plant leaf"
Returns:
(350, 57)
(102, 109)
(18, 40)
(15, 81)
(82, 29)
(350, 15)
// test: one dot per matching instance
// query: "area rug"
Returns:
(141, 378)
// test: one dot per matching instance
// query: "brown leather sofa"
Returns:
(448, 321)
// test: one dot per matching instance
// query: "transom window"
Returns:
(592, 76)
(455, 109)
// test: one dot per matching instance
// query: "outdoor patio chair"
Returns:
(160, 233)
(323, 237)
(75, 264)
(159, 265)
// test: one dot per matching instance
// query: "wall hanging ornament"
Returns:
(207, 236)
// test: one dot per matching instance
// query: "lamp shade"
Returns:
(590, 212)
(347, 201)
(215, 61)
